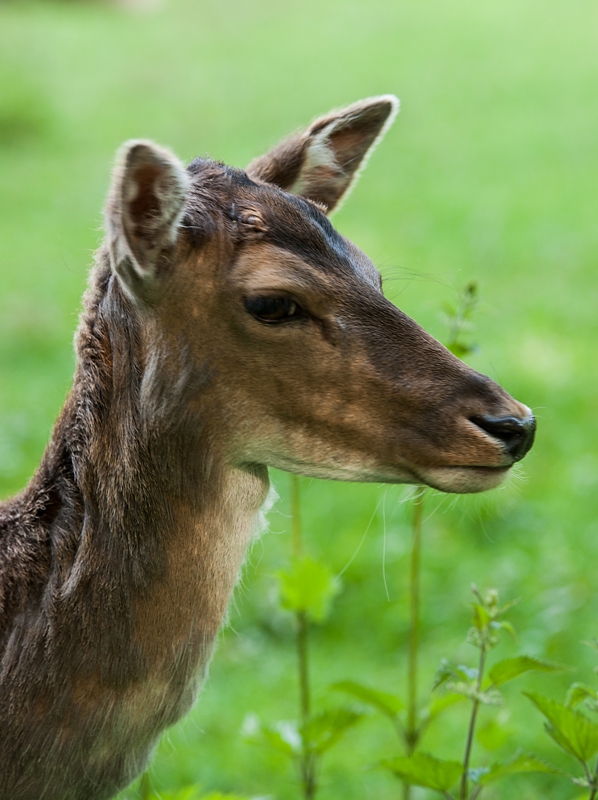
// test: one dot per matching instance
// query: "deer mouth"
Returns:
(464, 479)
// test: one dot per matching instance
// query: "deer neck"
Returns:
(167, 517)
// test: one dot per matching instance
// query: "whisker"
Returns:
(362, 540)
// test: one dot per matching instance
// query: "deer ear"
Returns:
(144, 209)
(323, 162)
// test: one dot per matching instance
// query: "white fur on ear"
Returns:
(323, 162)
(144, 210)
(322, 141)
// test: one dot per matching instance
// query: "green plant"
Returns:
(573, 731)
(144, 791)
(306, 589)
(458, 319)
(457, 779)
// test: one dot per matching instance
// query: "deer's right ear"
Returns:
(144, 209)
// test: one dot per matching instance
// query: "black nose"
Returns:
(517, 435)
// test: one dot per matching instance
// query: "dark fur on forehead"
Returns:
(299, 226)
(220, 194)
(211, 195)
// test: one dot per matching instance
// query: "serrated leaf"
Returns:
(324, 730)
(423, 769)
(511, 668)
(388, 704)
(578, 692)
(523, 762)
(572, 731)
(559, 739)
(309, 587)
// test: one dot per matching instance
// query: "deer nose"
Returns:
(517, 435)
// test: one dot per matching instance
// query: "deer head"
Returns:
(239, 276)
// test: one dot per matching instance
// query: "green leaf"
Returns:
(559, 739)
(324, 730)
(578, 692)
(309, 587)
(447, 671)
(438, 706)
(423, 769)
(460, 349)
(505, 626)
(510, 668)
(572, 731)
(523, 762)
(388, 704)
(480, 617)
(282, 736)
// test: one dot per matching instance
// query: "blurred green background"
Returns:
(490, 173)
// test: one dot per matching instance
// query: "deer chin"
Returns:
(464, 480)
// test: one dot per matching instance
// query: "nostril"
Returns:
(517, 435)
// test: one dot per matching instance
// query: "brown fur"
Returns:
(118, 560)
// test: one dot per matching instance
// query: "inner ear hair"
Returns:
(322, 163)
(144, 210)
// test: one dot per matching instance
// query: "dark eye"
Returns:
(273, 309)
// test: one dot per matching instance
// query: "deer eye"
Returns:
(273, 309)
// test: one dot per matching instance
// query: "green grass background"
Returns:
(490, 173)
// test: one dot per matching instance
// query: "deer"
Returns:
(227, 328)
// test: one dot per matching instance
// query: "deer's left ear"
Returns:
(322, 162)
(144, 209)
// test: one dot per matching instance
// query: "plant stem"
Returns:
(296, 517)
(307, 765)
(308, 773)
(412, 733)
(474, 714)
(303, 663)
